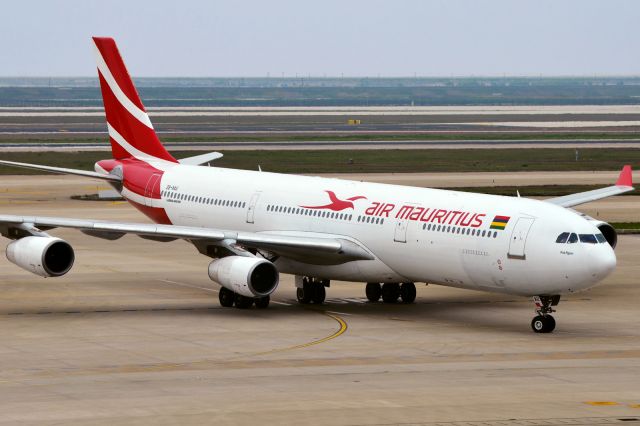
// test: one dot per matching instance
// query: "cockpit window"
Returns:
(562, 238)
(588, 238)
(573, 238)
(601, 239)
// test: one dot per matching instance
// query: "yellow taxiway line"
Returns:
(340, 331)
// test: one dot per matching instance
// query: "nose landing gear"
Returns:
(543, 322)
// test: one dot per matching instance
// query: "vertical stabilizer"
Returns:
(130, 131)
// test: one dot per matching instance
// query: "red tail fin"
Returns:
(130, 131)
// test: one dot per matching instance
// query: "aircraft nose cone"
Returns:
(603, 261)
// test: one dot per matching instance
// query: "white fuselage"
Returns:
(415, 234)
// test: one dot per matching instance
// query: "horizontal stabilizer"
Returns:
(199, 160)
(63, 170)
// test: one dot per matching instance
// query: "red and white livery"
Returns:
(256, 225)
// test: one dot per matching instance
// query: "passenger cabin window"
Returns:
(562, 238)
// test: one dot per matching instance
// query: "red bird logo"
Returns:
(337, 204)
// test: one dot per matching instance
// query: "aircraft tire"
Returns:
(543, 324)
(373, 292)
(304, 294)
(243, 302)
(226, 297)
(408, 293)
(262, 302)
(319, 294)
(390, 292)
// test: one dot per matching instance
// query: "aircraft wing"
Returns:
(313, 249)
(623, 184)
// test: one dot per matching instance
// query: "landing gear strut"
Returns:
(228, 299)
(544, 322)
(312, 291)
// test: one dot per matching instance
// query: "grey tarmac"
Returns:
(134, 335)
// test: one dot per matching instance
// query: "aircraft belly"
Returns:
(357, 271)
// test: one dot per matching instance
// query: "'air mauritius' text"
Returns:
(426, 214)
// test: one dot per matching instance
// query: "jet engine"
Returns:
(44, 256)
(248, 276)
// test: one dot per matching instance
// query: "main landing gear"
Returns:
(228, 299)
(312, 291)
(543, 322)
(390, 292)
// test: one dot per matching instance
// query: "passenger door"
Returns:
(148, 191)
(251, 209)
(519, 238)
(400, 233)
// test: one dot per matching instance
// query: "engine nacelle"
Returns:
(44, 256)
(248, 276)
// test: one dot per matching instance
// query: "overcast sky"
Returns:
(328, 37)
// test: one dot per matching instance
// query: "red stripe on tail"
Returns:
(111, 55)
(136, 133)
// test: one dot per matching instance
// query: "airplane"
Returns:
(256, 225)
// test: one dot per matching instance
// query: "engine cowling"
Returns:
(248, 276)
(44, 256)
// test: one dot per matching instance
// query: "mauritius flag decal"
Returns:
(499, 222)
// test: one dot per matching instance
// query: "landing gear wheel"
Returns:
(390, 292)
(408, 292)
(543, 324)
(305, 293)
(262, 302)
(319, 293)
(226, 297)
(243, 302)
(373, 292)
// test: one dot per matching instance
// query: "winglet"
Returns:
(625, 178)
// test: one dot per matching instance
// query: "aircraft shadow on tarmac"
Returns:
(473, 311)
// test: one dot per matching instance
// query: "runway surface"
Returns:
(16, 123)
(335, 145)
(135, 335)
